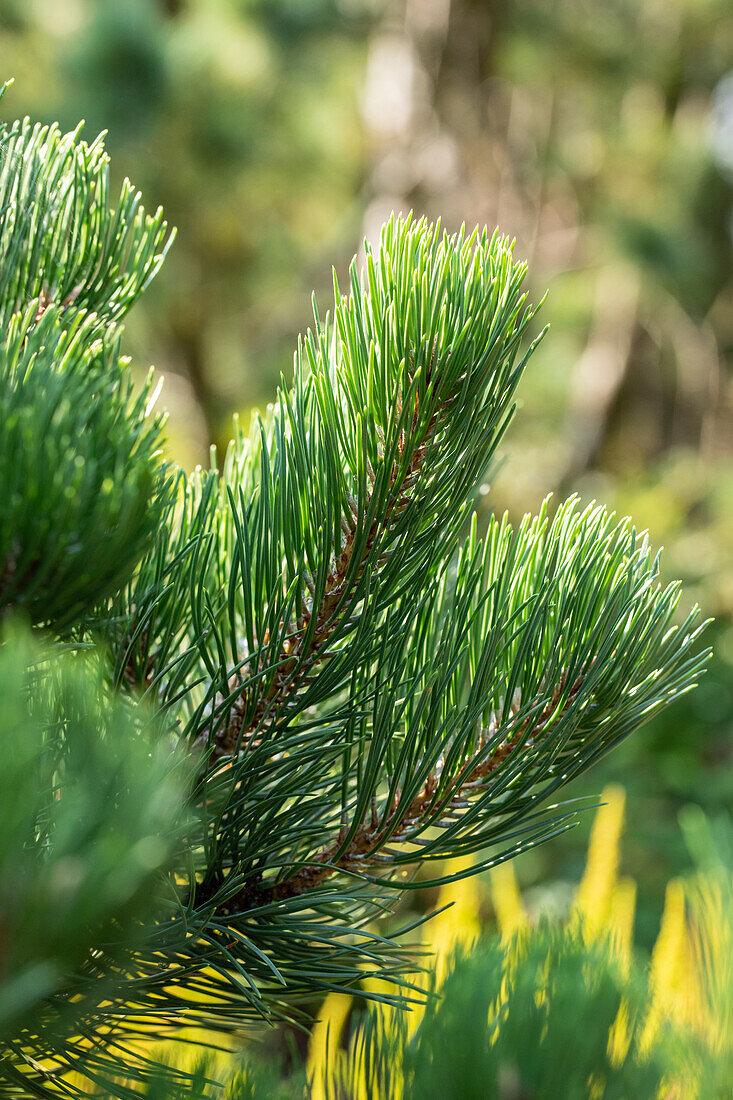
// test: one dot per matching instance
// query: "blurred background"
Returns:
(599, 133)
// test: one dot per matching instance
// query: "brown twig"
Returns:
(45, 299)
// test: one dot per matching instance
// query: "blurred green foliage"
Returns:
(275, 131)
(92, 812)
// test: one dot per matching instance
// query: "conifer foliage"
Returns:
(310, 671)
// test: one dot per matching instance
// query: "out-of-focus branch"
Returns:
(600, 371)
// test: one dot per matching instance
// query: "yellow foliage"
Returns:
(325, 1038)
(459, 925)
(594, 898)
(510, 912)
(621, 921)
(456, 924)
(672, 979)
(711, 954)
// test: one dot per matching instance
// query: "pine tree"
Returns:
(269, 691)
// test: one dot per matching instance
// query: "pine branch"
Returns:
(61, 240)
(303, 648)
(468, 769)
(367, 848)
(354, 487)
(92, 809)
(368, 692)
(368, 696)
(79, 462)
